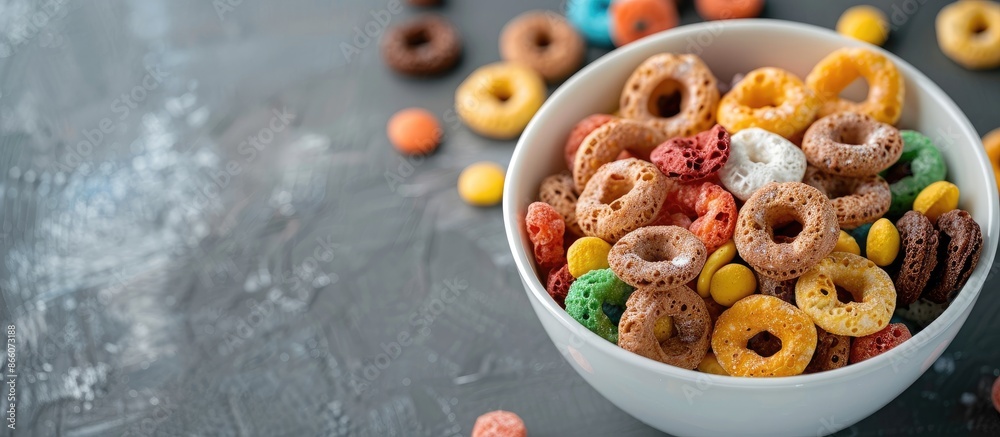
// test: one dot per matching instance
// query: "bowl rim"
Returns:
(958, 308)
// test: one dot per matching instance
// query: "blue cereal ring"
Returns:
(591, 18)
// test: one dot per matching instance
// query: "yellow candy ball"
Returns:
(731, 283)
(664, 328)
(481, 184)
(586, 254)
(722, 256)
(710, 364)
(846, 243)
(883, 243)
(938, 198)
(865, 23)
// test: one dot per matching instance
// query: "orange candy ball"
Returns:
(634, 19)
(499, 423)
(414, 131)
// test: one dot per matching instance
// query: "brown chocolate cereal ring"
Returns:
(832, 352)
(855, 200)
(675, 93)
(959, 247)
(544, 41)
(658, 256)
(605, 143)
(425, 46)
(621, 197)
(870, 286)
(759, 313)
(851, 144)
(691, 320)
(778, 204)
(558, 190)
(784, 290)
(919, 249)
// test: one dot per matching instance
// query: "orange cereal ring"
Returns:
(774, 206)
(838, 69)
(634, 19)
(855, 200)
(871, 288)
(852, 144)
(657, 256)
(728, 9)
(759, 313)
(546, 230)
(621, 197)
(414, 131)
(605, 143)
(992, 144)
(714, 208)
(558, 190)
(771, 99)
(636, 330)
(675, 93)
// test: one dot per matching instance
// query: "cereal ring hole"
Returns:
(845, 296)
(416, 38)
(978, 25)
(762, 97)
(764, 344)
(614, 312)
(856, 91)
(501, 90)
(542, 40)
(785, 229)
(665, 100)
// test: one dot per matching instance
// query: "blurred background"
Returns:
(205, 231)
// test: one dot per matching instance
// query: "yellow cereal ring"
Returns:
(838, 69)
(936, 199)
(871, 287)
(732, 283)
(710, 364)
(751, 316)
(771, 99)
(498, 100)
(969, 33)
(481, 184)
(882, 245)
(586, 254)
(864, 23)
(992, 144)
(722, 256)
(847, 243)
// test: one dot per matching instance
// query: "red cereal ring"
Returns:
(863, 348)
(693, 158)
(558, 284)
(621, 197)
(714, 207)
(851, 144)
(677, 94)
(580, 131)
(657, 256)
(607, 142)
(636, 330)
(779, 204)
(634, 19)
(499, 423)
(728, 9)
(857, 200)
(545, 230)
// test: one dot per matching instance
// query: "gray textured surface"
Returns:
(153, 296)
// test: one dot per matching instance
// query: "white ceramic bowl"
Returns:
(686, 402)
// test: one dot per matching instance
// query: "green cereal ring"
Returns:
(594, 295)
(920, 165)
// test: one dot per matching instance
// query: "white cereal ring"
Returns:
(757, 157)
